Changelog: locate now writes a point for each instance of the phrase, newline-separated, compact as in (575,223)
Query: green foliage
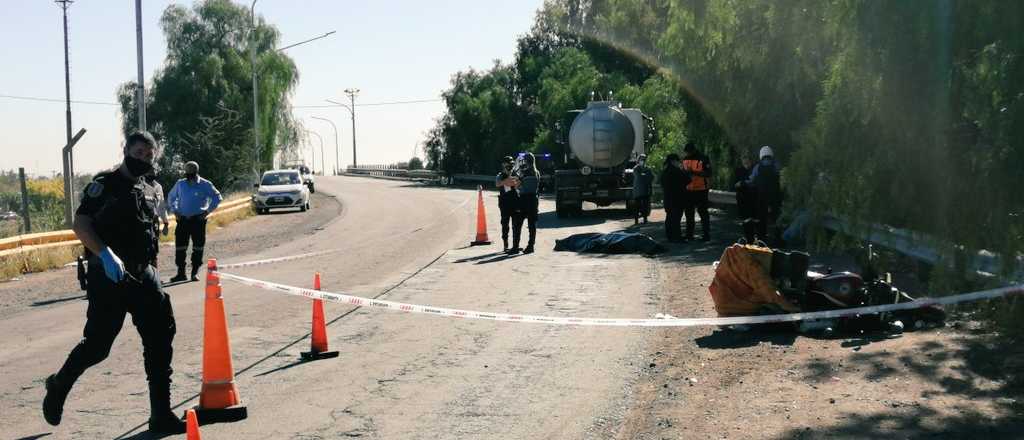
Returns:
(905,113)
(199,105)
(45,202)
(415,164)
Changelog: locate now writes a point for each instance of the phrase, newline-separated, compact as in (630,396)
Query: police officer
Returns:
(698,167)
(191,200)
(115,222)
(643,180)
(529,183)
(508,198)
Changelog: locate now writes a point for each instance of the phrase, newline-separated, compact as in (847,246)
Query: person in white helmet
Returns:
(764,179)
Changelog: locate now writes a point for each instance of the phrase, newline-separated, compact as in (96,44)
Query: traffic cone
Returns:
(192,426)
(218,399)
(318,343)
(481,219)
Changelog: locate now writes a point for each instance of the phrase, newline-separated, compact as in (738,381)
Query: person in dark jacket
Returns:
(643,178)
(673,187)
(529,183)
(764,179)
(508,198)
(116,222)
(697,166)
(745,196)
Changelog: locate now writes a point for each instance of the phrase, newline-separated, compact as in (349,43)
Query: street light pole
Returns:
(255,106)
(323,163)
(336,150)
(140,96)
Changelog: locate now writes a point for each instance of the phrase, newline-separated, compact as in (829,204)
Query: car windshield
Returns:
(280,179)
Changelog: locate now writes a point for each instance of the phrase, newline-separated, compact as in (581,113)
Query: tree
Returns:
(415,164)
(200,103)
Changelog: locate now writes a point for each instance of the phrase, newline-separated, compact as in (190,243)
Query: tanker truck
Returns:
(604,140)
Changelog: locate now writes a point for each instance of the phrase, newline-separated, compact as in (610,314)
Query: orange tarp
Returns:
(742,284)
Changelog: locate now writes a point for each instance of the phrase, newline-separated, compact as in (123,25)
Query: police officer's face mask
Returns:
(137,167)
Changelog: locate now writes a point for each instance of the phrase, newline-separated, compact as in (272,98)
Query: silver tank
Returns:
(601,136)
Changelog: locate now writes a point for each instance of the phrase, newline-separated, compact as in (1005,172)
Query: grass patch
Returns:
(233,216)
(37,260)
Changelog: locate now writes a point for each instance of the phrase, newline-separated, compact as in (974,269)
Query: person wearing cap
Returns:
(191,200)
(508,197)
(698,167)
(527,185)
(643,178)
(764,179)
(673,188)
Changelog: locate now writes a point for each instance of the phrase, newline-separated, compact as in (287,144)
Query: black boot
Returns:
(180,276)
(53,403)
(529,249)
(161,419)
(195,273)
(504,247)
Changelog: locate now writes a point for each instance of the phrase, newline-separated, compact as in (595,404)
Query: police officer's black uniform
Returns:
(508,204)
(123,212)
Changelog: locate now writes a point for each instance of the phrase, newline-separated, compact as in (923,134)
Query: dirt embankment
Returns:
(706,382)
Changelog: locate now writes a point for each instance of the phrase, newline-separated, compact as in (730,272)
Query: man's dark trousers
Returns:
(151,313)
(507,208)
(697,200)
(673,216)
(190,228)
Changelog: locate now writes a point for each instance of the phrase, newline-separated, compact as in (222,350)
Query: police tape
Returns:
(620,322)
(335,250)
(279,259)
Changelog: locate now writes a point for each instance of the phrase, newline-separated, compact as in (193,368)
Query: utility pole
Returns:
(24,200)
(255,106)
(352,97)
(140,97)
(66,155)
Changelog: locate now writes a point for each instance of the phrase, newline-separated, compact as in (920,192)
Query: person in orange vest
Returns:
(698,167)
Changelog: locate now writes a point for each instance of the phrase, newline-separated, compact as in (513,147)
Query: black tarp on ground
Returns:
(612,243)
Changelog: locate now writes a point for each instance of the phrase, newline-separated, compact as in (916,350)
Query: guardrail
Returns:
(66,237)
(913,244)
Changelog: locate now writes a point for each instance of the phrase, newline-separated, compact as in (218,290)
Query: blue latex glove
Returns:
(112,265)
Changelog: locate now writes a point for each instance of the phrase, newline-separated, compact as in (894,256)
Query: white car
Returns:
(280,189)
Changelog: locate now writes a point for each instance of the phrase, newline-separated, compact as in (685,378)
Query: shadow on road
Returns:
(58,300)
(479,257)
(34,437)
(729,339)
(498,258)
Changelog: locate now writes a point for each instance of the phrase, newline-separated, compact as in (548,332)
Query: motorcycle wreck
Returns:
(754,280)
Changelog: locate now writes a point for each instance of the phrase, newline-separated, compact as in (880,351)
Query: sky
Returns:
(391,51)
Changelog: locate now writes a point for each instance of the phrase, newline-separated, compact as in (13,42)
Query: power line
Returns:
(369,104)
(417,101)
(36,98)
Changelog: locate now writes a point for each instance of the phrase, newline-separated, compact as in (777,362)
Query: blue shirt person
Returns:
(191,197)
(191,200)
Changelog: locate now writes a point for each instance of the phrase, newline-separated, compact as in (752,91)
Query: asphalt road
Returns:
(398,375)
